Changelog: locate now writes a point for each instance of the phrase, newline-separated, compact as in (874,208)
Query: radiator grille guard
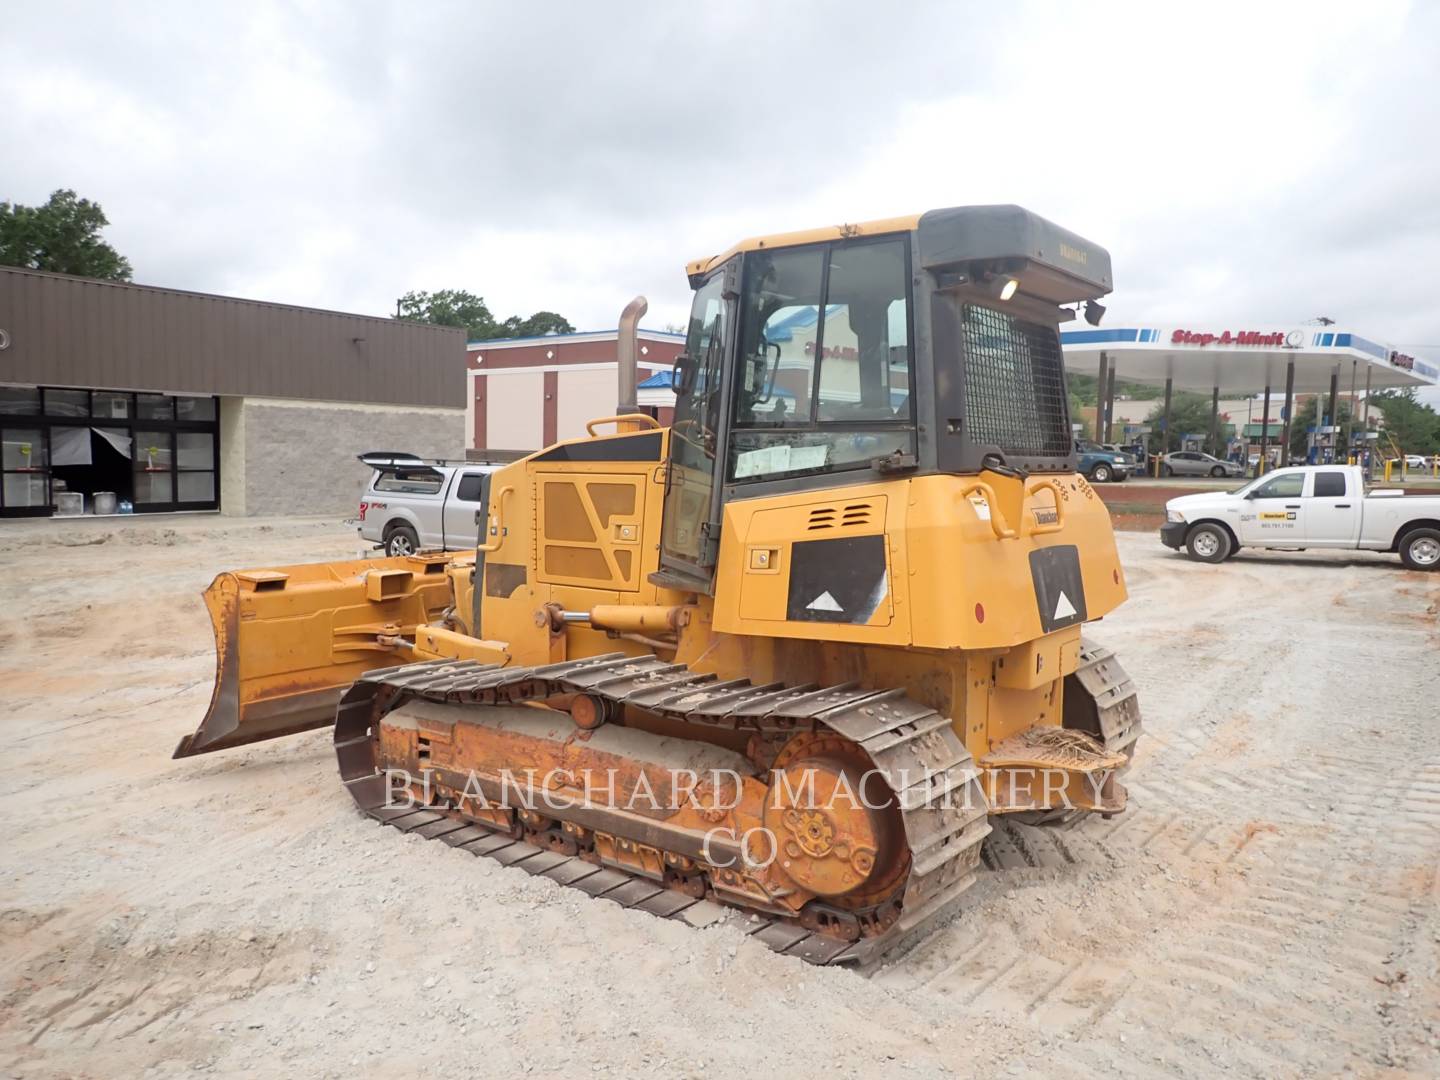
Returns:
(1014,385)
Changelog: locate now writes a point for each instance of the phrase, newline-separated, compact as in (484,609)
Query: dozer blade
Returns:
(290,640)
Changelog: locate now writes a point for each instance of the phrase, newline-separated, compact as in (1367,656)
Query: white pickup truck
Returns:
(1303,507)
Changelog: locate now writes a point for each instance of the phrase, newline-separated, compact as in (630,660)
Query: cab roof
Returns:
(700,267)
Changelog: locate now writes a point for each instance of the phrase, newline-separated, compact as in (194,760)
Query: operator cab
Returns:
(922,344)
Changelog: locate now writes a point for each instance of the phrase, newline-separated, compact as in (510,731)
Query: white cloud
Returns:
(1241,161)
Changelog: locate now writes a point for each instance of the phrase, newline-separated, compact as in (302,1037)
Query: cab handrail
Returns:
(998,525)
(495,522)
(626,418)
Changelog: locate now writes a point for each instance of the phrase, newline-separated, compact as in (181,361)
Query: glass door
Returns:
(26,471)
(695,434)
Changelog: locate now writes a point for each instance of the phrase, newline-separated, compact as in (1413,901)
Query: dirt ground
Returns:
(1266,907)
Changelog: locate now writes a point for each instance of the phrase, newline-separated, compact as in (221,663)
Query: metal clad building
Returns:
(176,400)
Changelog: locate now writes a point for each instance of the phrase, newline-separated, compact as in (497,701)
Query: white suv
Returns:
(411,504)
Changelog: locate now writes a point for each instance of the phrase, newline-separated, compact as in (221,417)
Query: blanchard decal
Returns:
(643,446)
(1059,586)
(837,581)
(502,579)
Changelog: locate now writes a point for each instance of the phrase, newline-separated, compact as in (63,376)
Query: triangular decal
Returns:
(825,602)
(1063,608)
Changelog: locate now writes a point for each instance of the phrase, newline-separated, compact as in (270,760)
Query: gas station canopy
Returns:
(1244,361)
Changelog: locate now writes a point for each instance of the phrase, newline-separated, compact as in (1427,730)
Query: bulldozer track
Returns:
(930,773)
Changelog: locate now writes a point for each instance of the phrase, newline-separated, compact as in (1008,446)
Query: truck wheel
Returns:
(1420,549)
(1209,543)
(1101,474)
(1217,471)
(402,540)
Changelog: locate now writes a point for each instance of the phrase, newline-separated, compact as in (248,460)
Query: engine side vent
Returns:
(840,517)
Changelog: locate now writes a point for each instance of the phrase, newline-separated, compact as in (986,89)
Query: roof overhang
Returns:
(1243,360)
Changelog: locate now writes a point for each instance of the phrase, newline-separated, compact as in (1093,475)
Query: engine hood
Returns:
(1206,500)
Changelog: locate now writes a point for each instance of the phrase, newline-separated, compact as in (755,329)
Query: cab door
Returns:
(1331,510)
(466,497)
(1274,512)
(690,532)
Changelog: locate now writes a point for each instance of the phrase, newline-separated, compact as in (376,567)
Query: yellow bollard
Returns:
(1388,466)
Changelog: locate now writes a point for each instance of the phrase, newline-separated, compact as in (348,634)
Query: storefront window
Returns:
(110,405)
(24,491)
(25,464)
(156,451)
(67,402)
(197,449)
(196,487)
(153,452)
(23,449)
(155,407)
(195,408)
(19,401)
(154,460)
(195,452)
(154,487)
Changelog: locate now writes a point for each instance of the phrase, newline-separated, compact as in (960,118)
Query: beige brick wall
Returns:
(298,457)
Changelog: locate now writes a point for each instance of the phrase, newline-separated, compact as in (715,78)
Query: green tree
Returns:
(1189,415)
(456,307)
(1415,427)
(1086,389)
(62,236)
(542,322)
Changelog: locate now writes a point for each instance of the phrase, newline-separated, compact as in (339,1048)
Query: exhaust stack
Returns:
(627,352)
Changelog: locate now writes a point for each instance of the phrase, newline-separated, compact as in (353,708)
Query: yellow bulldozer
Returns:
(786,656)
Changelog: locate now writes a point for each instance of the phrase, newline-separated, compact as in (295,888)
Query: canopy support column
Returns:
(1350,420)
(1100,396)
(1165,424)
(1110,404)
(1214,445)
(1289,408)
(1365,426)
(1264,461)
(1334,411)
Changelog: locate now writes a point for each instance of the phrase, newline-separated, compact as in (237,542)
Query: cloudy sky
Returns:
(1255,163)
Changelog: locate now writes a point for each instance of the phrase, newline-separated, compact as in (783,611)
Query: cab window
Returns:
(826,367)
(417,481)
(1329,484)
(470,485)
(1281,487)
